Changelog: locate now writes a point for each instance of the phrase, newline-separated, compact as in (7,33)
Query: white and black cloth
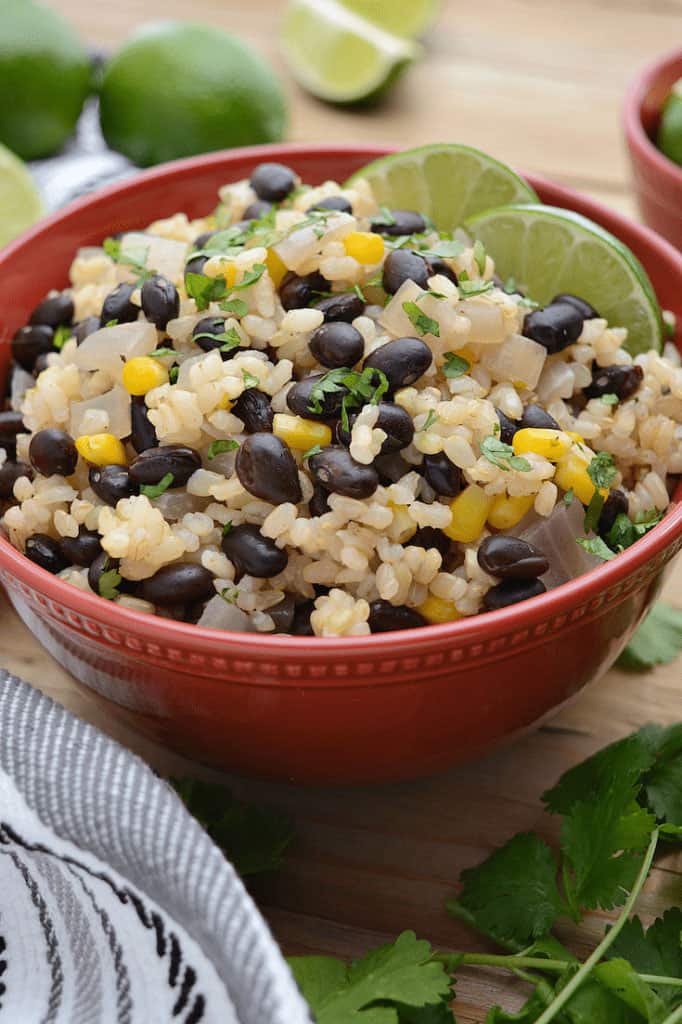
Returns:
(115,906)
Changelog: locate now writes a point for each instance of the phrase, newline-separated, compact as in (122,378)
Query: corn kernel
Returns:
(403,526)
(437,609)
(466,353)
(300,433)
(571,475)
(575,437)
(276,269)
(225,403)
(364,246)
(101,449)
(469,513)
(142,373)
(508,510)
(550,444)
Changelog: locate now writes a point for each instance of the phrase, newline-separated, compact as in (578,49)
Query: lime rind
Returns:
(407,18)
(447,181)
(20,202)
(548,250)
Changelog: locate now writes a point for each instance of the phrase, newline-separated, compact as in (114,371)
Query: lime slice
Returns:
(20,202)
(670,129)
(548,250)
(447,182)
(407,18)
(337,55)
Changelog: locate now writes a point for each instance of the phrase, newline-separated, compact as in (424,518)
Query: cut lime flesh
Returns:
(549,250)
(448,182)
(407,18)
(339,56)
(20,202)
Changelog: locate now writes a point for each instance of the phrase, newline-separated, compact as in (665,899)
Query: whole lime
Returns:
(44,78)
(670,129)
(177,88)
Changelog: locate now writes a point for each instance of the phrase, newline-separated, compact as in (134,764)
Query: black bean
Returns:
(385,617)
(53,452)
(402,361)
(201,240)
(511,558)
(256,210)
(252,554)
(213,326)
(11,424)
(622,381)
(339,203)
(143,433)
(555,327)
(55,311)
(30,342)
(282,613)
(272,182)
(429,537)
(45,552)
(255,411)
(83,549)
(405,222)
(301,621)
(396,423)
(296,292)
(391,468)
(300,402)
(337,344)
(319,503)
(111,483)
(195,265)
(338,472)
(341,306)
(84,328)
(118,306)
(151,465)
(586,311)
(160,301)
(535,417)
(439,266)
(511,592)
(404,265)
(442,475)
(507,427)
(9,474)
(268,470)
(615,505)
(178,583)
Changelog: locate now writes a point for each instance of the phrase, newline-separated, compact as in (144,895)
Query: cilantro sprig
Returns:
(156,490)
(423,323)
(502,455)
(109,582)
(136,263)
(658,641)
(361,388)
(218,447)
(455,366)
(61,336)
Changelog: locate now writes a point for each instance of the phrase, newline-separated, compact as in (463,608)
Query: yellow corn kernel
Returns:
(469,513)
(403,526)
(550,444)
(437,609)
(276,269)
(300,433)
(142,373)
(218,266)
(571,475)
(101,449)
(575,437)
(508,510)
(225,403)
(466,353)
(364,246)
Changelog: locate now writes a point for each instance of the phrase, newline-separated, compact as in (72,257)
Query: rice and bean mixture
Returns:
(309,414)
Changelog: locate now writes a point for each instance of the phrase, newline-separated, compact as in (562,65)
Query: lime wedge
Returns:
(20,202)
(407,18)
(548,250)
(337,55)
(446,181)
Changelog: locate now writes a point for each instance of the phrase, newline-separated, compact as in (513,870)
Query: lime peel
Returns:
(20,202)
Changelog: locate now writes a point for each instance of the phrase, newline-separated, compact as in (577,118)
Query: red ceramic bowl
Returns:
(658,181)
(322,710)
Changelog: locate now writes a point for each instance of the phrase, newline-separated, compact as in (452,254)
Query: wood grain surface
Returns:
(538,83)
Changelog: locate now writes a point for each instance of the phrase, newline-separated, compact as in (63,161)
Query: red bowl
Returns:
(365,709)
(658,181)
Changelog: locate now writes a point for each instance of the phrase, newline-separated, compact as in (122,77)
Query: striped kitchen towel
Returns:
(115,906)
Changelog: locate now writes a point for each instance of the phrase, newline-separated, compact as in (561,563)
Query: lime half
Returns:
(402,17)
(339,56)
(448,182)
(20,203)
(548,250)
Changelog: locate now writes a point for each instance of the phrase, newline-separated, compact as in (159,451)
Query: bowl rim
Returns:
(636,136)
(476,628)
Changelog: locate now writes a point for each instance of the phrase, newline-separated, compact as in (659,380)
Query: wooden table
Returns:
(539,84)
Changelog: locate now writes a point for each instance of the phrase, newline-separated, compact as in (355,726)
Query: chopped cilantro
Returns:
(596,546)
(359,292)
(108,582)
(480,256)
(218,447)
(159,353)
(229,594)
(502,455)
(204,290)
(368,386)
(431,418)
(445,249)
(251,277)
(455,366)
(658,640)
(227,527)
(230,339)
(602,470)
(568,497)
(112,247)
(249,380)
(625,531)
(610,399)
(61,336)
(111,323)
(154,490)
(315,450)
(173,374)
(384,216)
(423,323)
(471,288)
(510,286)
(235,306)
(593,513)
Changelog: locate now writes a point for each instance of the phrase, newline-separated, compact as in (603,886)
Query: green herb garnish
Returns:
(420,321)
(111,323)
(229,594)
(112,247)
(229,339)
(218,447)
(237,307)
(455,366)
(361,388)
(159,353)
(480,256)
(502,455)
(626,531)
(445,249)
(384,216)
(61,336)
(610,399)
(108,582)
(251,277)
(596,546)
(431,418)
(227,527)
(249,380)
(568,497)
(204,290)
(315,450)
(602,470)
(173,374)
(471,288)
(658,641)
(155,490)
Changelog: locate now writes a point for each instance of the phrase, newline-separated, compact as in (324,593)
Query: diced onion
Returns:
(219,614)
(115,405)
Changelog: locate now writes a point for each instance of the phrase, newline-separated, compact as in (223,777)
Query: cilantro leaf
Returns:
(480,256)
(250,381)
(619,978)
(513,895)
(173,374)
(471,288)
(159,353)
(445,249)
(420,321)
(108,582)
(360,388)
(510,286)
(624,762)
(204,290)
(654,951)
(658,640)
(568,497)
(217,447)
(663,782)
(502,455)
(596,546)
(593,513)
(370,991)
(235,306)
(610,399)
(155,490)
(625,532)
(227,527)
(602,470)
(230,339)
(61,336)
(254,838)
(455,366)
(315,450)
(250,277)
(429,421)
(328,384)
(137,263)
(384,216)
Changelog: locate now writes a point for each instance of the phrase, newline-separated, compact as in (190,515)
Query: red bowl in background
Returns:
(371,708)
(658,180)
